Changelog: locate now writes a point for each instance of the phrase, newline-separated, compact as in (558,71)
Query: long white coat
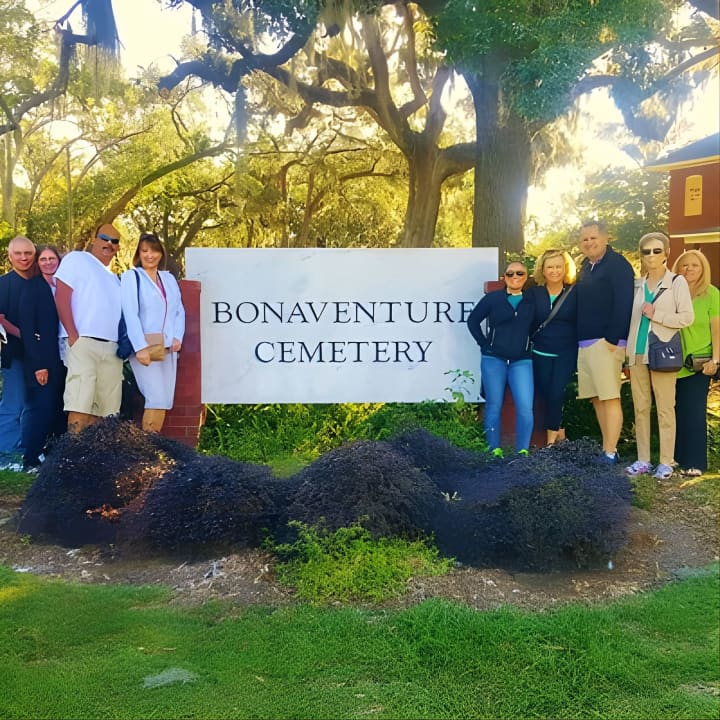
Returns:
(147,311)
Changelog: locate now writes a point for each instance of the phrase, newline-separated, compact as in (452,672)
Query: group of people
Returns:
(599,321)
(60,322)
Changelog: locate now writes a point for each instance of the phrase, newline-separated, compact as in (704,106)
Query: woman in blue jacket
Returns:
(154,314)
(554,338)
(506,358)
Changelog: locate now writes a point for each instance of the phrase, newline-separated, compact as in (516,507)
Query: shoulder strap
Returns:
(662,290)
(554,310)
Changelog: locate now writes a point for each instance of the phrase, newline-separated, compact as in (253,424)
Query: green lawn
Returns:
(71,651)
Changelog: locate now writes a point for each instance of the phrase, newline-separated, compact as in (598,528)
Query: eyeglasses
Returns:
(512,273)
(652,251)
(107,238)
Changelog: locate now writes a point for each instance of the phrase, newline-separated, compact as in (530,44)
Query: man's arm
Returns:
(622,282)
(63,302)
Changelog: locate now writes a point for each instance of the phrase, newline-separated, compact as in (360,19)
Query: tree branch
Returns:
(120,204)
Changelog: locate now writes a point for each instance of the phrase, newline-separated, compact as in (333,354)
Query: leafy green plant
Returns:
(259,433)
(348,564)
(644,491)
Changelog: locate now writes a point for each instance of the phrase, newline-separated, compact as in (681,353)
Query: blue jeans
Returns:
(518,374)
(12,408)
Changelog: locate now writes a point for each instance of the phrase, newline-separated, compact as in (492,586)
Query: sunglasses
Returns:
(107,238)
(652,251)
(512,273)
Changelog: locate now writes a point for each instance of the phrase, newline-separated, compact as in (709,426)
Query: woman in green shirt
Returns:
(701,339)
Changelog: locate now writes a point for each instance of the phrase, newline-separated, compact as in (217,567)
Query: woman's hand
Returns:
(648,310)
(143,356)
(41,376)
(176,345)
(710,367)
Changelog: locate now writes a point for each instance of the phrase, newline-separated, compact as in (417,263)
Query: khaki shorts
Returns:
(94,378)
(600,371)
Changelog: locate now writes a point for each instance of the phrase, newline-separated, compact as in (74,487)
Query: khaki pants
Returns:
(644,384)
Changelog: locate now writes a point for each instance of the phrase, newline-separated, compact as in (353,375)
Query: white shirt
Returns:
(95,300)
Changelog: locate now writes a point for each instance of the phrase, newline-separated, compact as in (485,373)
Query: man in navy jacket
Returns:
(13,418)
(605,286)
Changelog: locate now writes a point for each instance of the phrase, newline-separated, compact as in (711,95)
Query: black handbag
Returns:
(697,362)
(665,356)
(125,348)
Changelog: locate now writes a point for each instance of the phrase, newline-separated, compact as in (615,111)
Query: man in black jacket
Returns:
(21,253)
(605,286)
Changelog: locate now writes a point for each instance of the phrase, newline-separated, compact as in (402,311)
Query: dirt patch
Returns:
(672,541)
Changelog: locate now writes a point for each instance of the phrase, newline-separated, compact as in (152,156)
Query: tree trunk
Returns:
(10,147)
(423,203)
(502,171)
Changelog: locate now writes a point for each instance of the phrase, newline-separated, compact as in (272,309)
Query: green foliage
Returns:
(580,420)
(255,433)
(348,564)
(539,50)
(258,433)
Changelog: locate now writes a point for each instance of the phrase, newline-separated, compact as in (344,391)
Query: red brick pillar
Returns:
(184,421)
(507,415)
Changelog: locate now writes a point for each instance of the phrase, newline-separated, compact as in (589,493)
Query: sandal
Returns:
(691,472)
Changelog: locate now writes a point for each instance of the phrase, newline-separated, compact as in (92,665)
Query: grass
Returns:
(86,651)
(14,483)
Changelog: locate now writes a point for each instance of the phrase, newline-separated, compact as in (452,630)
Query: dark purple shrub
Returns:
(88,478)
(553,508)
(447,465)
(205,502)
(366,480)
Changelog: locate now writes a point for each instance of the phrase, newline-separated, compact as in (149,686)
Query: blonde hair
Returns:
(704,282)
(570,270)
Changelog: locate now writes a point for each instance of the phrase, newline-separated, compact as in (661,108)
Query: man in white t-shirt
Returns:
(88,303)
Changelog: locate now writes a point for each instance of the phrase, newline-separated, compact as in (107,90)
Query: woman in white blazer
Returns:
(152,306)
(662,304)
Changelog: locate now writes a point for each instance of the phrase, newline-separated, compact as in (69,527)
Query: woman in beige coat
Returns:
(662,304)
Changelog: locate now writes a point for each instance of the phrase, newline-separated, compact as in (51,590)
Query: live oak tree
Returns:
(528,61)
(376,65)
(525,62)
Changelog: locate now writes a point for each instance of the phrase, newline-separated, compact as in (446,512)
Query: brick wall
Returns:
(184,421)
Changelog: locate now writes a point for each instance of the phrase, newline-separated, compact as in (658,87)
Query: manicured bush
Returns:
(445,464)
(365,479)
(207,501)
(88,478)
(553,508)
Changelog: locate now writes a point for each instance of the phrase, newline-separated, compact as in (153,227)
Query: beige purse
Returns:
(156,346)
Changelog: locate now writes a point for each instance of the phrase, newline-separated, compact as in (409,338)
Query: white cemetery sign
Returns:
(332,326)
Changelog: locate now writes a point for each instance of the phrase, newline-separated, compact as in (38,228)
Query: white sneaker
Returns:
(639,467)
(663,472)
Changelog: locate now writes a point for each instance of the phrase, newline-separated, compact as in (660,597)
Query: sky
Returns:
(148,32)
